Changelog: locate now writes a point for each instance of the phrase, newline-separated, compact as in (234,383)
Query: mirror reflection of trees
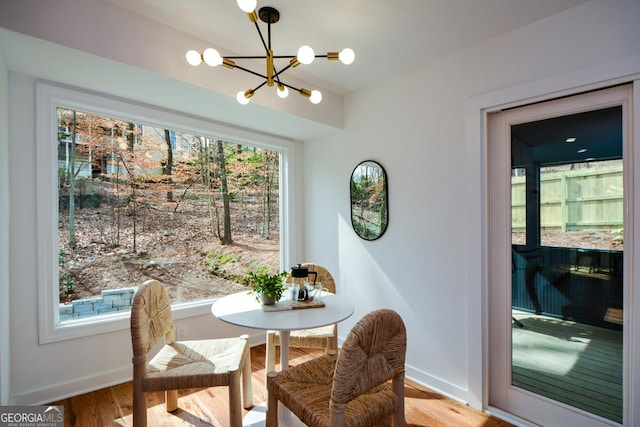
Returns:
(369,206)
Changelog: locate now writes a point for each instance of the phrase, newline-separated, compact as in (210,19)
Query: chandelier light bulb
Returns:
(315,97)
(247,6)
(306,55)
(347,56)
(242,98)
(194,58)
(212,57)
(282,91)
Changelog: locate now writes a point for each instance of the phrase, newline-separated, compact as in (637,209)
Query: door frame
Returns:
(502,394)
(477,107)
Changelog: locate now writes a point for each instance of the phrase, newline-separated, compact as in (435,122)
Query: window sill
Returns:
(72,329)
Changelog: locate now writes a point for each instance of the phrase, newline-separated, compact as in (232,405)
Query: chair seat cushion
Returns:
(194,364)
(306,390)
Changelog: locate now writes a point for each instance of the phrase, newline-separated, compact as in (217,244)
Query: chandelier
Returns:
(305,55)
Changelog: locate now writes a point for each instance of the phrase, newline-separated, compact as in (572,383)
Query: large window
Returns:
(138,197)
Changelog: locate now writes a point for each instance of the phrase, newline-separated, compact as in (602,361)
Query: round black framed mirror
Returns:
(369,200)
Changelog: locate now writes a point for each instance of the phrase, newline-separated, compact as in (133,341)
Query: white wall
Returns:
(428,264)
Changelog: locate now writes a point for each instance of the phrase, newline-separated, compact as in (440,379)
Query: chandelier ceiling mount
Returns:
(269,15)
(305,55)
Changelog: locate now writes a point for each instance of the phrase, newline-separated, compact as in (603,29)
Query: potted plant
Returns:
(266,286)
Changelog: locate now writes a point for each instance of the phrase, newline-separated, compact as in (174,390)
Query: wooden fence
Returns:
(583,199)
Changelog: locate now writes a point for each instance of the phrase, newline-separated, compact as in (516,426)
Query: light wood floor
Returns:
(208,407)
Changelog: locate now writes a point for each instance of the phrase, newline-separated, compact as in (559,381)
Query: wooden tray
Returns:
(291,305)
(307,304)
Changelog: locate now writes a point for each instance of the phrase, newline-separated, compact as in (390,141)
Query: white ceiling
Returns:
(386,35)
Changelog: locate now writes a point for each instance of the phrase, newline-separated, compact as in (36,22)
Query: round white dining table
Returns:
(242,309)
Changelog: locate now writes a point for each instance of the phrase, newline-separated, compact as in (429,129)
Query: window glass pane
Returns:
(567,281)
(581,205)
(139,202)
(518,206)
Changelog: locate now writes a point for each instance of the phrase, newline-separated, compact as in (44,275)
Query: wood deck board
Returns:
(573,363)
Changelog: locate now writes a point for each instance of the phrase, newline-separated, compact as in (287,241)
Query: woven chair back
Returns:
(373,353)
(151,318)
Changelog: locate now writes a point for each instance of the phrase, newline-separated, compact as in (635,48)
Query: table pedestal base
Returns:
(257,418)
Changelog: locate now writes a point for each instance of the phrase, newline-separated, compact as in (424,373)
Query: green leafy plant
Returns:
(216,263)
(65,277)
(266,283)
(67,280)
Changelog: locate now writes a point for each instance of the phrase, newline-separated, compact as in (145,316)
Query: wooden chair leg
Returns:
(270,359)
(171,398)
(247,388)
(397,384)
(235,406)
(139,407)
(272,403)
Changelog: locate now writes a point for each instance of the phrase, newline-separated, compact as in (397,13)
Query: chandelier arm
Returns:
(250,71)
(277,74)
(291,87)
(274,56)
(276,77)
(260,85)
(264,44)
(246,57)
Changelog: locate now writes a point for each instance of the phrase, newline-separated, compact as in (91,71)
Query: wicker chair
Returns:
(182,364)
(350,387)
(325,337)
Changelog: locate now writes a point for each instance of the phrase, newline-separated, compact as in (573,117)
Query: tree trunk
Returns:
(72,185)
(266,199)
(226,238)
(205,164)
(169,166)
(131,138)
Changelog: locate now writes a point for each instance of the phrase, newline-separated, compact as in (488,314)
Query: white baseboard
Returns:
(75,387)
(437,384)
(95,382)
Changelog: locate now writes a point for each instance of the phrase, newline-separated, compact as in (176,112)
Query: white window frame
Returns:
(48,99)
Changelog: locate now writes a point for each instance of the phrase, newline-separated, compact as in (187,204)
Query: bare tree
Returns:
(226,238)
(269,176)
(168,167)
(72,186)
(206,172)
